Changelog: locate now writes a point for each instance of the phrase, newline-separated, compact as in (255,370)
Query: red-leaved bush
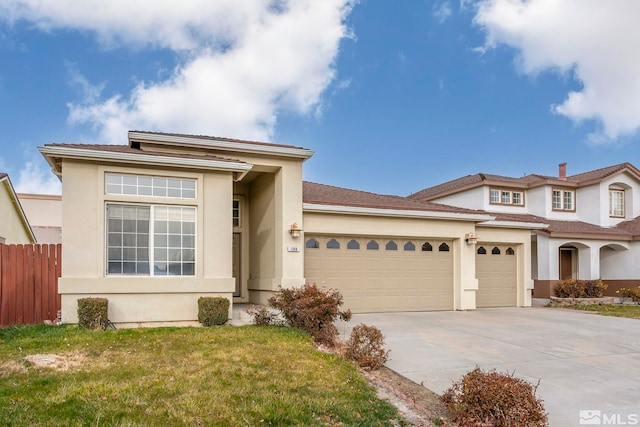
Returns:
(493,399)
(312,310)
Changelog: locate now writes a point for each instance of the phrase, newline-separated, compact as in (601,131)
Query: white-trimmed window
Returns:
(616,203)
(563,200)
(495,196)
(150,240)
(154,186)
(505,197)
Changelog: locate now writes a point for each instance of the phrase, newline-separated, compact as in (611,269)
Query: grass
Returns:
(616,310)
(225,376)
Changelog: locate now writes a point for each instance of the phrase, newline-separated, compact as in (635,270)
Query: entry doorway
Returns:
(568,263)
(236,263)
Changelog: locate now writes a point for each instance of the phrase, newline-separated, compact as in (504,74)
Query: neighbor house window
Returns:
(616,203)
(236,213)
(563,200)
(145,185)
(151,240)
(506,197)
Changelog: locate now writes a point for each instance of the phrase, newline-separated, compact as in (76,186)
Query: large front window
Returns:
(616,203)
(151,240)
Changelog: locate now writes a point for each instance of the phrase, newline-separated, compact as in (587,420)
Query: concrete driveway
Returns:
(583,361)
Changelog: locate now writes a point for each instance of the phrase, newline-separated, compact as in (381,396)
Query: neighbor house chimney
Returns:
(562,171)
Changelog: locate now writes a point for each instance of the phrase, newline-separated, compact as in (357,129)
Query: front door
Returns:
(567,265)
(236,263)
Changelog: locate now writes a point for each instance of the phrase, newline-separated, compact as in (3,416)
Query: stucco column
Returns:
(289,258)
(466,291)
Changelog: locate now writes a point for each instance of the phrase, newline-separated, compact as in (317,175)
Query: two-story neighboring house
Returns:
(592,218)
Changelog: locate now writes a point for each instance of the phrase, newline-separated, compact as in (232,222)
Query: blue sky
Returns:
(392,96)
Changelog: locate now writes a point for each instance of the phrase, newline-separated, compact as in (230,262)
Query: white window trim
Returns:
(612,212)
(152,187)
(563,206)
(151,241)
(500,192)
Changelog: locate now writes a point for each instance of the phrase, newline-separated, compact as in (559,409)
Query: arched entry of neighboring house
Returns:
(568,263)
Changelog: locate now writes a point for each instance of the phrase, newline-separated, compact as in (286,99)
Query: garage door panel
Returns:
(383,279)
(496,271)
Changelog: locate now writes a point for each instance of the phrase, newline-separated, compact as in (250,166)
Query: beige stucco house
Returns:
(157,223)
(44,212)
(14,226)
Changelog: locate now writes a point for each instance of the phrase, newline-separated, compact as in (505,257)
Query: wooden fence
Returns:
(29,283)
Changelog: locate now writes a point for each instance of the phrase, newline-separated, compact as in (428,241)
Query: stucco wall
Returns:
(12,227)
(142,298)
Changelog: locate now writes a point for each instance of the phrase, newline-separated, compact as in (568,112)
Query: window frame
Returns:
(134,183)
(612,212)
(151,246)
(497,197)
(560,205)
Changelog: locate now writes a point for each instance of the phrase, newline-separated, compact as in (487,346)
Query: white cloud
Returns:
(240,62)
(596,42)
(442,11)
(35,178)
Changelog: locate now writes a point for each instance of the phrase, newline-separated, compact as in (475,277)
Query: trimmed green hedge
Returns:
(93,313)
(213,310)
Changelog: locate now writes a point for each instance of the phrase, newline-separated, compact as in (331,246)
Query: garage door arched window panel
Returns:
(443,247)
(391,246)
(373,245)
(495,251)
(426,247)
(482,250)
(510,251)
(333,244)
(409,247)
(312,244)
(353,244)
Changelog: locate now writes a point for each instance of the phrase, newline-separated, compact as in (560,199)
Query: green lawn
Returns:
(617,310)
(227,376)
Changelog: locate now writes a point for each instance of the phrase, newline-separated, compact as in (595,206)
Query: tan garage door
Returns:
(383,274)
(496,269)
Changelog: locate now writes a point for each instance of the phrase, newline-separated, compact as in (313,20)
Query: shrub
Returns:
(93,313)
(632,293)
(262,316)
(594,288)
(312,310)
(491,398)
(569,289)
(366,347)
(213,310)
(580,289)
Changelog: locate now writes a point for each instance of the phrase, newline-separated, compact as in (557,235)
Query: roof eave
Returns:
(587,236)
(246,146)
(51,153)
(409,213)
(514,224)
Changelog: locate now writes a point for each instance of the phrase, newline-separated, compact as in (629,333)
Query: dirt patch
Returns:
(418,405)
(39,361)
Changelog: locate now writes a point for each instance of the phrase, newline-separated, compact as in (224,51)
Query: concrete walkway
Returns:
(583,361)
